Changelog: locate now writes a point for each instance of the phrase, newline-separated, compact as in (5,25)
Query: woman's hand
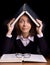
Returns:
(39,29)
(10,26)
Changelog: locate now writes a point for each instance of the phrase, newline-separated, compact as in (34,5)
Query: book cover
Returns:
(25,9)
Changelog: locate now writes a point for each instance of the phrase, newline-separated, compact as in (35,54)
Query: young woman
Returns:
(28,38)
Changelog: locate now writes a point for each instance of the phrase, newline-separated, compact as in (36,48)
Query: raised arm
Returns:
(8,42)
(41,39)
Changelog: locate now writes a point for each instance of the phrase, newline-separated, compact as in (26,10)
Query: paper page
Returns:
(10,58)
(22,57)
(35,58)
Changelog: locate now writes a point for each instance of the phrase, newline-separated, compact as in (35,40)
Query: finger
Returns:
(11,21)
(40,22)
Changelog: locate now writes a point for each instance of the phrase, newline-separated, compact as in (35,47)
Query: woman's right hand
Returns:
(10,26)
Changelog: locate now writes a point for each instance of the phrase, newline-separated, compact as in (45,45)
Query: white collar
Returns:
(31,38)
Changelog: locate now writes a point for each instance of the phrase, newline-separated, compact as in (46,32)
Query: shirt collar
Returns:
(31,38)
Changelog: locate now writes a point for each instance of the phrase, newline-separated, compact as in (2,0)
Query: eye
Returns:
(21,21)
(28,20)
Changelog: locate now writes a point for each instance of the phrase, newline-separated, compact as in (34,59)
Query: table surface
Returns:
(22,63)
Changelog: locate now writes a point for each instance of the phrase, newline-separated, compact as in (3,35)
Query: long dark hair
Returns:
(33,27)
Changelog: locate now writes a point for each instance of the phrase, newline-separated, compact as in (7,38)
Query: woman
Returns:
(29,37)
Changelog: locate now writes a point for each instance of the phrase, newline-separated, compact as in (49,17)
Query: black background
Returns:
(9,7)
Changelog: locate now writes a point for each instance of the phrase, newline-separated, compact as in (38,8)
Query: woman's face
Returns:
(24,24)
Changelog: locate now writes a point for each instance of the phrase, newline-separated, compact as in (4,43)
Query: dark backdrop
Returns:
(8,8)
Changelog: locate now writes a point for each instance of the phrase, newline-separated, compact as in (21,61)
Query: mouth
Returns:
(25,28)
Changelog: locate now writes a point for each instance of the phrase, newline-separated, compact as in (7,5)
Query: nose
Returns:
(25,23)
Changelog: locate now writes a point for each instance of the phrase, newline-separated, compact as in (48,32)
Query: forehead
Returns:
(24,17)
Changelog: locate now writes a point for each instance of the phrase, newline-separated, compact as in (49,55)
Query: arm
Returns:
(41,40)
(8,42)
(7,45)
(43,46)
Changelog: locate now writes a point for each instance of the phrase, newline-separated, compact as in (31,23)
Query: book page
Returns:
(18,57)
(10,58)
(35,58)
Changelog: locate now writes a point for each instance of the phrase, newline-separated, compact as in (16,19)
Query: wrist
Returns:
(40,32)
(9,33)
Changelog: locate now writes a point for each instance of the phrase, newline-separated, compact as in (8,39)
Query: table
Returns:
(47,63)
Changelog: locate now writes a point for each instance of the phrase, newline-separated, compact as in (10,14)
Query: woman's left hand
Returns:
(39,29)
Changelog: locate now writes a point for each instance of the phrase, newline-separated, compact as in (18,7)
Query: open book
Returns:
(26,12)
(18,57)
(25,9)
